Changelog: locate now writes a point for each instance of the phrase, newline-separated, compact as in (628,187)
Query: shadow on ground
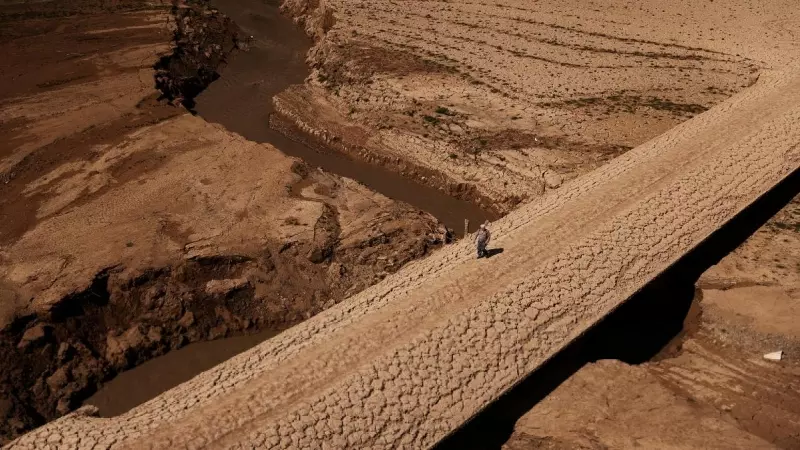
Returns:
(493,251)
(635,333)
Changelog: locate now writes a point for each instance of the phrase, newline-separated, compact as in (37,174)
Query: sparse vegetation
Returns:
(430,119)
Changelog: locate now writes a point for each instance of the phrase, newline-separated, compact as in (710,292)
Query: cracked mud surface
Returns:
(711,384)
(410,359)
(80,143)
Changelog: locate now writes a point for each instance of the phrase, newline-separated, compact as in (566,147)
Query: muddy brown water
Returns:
(241,101)
(145,382)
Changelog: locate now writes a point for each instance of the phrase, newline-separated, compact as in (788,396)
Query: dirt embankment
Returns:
(130,228)
(500,103)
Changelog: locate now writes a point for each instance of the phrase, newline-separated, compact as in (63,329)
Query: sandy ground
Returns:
(710,385)
(504,100)
(409,360)
(129,227)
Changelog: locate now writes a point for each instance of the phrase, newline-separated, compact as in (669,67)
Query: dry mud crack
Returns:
(409,360)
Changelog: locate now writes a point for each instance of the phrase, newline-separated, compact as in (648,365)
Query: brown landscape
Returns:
(156,191)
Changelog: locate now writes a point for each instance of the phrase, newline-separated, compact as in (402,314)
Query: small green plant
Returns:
(444,111)
(430,119)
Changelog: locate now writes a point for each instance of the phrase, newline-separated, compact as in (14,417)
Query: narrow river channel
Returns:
(241,101)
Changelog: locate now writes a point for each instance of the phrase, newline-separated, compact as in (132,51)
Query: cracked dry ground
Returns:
(710,386)
(407,361)
(129,228)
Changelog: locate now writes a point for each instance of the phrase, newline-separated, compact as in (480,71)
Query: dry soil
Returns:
(408,361)
(710,387)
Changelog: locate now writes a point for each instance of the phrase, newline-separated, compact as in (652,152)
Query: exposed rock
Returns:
(58,379)
(35,335)
(65,352)
(552,180)
(224,287)
(224,314)
(218,332)
(187,320)
(118,346)
(64,405)
(133,337)
(154,334)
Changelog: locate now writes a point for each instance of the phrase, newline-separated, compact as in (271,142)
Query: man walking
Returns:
(482,239)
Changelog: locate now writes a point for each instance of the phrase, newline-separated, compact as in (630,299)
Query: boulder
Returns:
(187,320)
(224,287)
(58,379)
(552,180)
(35,335)
(117,347)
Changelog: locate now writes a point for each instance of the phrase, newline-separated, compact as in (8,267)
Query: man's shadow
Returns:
(493,251)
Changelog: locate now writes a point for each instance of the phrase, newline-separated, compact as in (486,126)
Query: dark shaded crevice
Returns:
(636,332)
(77,305)
(203,41)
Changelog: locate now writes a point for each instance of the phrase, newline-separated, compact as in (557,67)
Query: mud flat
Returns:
(129,228)
(409,360)
(502,102)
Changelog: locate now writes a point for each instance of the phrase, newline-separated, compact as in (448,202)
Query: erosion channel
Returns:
(241,100)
